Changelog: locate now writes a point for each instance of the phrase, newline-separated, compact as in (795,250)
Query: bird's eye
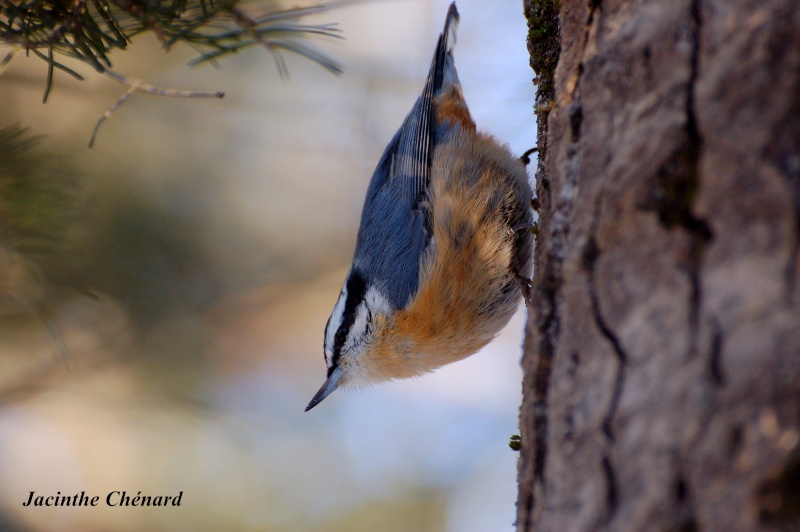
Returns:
(341,336)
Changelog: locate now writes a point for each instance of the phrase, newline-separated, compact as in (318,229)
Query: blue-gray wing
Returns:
(396,223)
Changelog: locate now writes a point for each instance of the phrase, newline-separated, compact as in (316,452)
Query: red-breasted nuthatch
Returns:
(439,253)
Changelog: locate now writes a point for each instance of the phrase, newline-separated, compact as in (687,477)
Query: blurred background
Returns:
(163,295)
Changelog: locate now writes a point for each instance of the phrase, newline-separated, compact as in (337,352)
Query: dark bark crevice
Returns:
(778,495)
(549,329)
(716,374)
(545,47)
(683,518)
(612,489)
(594,7)
(590,256)
(677,183)
(698,229)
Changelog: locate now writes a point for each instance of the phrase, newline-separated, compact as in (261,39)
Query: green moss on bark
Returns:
(543,43)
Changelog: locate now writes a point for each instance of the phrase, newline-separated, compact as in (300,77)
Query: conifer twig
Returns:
(137,85)
(9,56)
(89,30)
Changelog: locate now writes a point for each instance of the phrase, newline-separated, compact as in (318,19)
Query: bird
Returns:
(444,252)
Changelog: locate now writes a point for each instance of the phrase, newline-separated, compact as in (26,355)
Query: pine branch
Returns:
(89,30)
(137,85)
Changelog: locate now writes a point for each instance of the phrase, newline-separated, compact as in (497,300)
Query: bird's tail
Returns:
(415,137)
(443,68)
(450,28)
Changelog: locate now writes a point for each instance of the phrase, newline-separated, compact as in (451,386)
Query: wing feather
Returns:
(395,223)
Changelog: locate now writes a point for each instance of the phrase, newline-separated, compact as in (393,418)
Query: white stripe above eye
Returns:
(333,325)
(358,336)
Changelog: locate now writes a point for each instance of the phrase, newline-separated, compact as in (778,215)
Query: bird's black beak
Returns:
(330,385)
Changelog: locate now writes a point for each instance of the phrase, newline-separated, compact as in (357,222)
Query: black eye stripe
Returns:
(356,289)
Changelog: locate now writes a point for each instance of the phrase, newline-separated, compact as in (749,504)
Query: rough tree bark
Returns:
(662,359)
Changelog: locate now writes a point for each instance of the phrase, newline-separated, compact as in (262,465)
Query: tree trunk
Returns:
(662,357)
